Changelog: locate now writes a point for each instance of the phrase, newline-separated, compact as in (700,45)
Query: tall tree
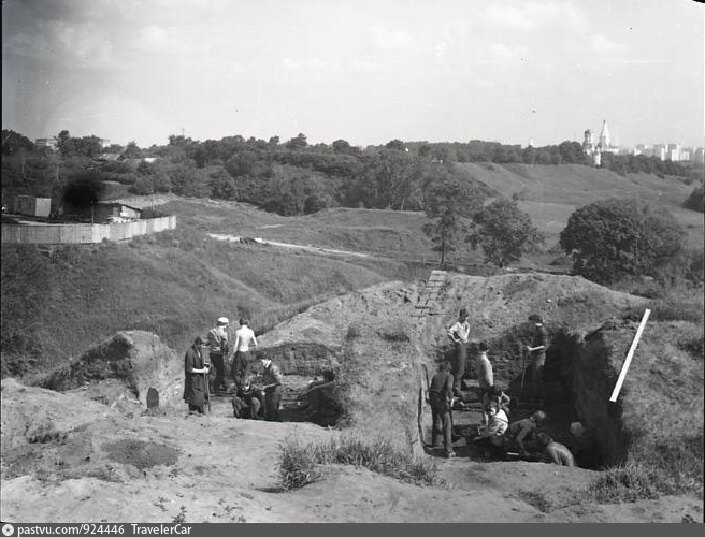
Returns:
(504,232)
(299,142)
(132,150)
(449,203)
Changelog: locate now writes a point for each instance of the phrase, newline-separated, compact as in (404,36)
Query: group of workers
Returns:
(496,434)
(254,395)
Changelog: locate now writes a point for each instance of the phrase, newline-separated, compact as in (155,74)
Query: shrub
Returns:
(696,200)
(297,465)
(611,239)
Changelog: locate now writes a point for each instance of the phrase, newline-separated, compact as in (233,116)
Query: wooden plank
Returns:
(625,365)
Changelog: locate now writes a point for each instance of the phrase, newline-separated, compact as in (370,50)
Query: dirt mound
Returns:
(134,360)
(661,401)
(369,338)
(39,416)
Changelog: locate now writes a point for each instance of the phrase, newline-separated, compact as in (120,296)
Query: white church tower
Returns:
(604,136)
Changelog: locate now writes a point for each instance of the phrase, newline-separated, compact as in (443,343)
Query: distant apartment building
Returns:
(659,151)
(46,142)
(699,154)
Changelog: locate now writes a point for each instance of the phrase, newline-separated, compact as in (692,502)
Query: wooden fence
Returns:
(84,233)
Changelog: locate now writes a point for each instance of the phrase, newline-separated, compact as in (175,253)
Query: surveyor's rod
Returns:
(625,365)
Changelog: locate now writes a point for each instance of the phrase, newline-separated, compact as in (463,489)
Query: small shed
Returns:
(104,209)
(31,206)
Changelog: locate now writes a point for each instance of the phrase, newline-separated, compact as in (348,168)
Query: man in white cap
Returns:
(218,342)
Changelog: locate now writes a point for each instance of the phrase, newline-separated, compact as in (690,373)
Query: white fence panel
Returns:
(84,233)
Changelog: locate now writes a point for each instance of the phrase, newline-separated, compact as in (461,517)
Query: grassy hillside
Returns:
(550,194)
(174,283)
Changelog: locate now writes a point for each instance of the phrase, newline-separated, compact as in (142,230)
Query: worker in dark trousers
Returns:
(195,370)
(538,354)
(218,343)
(272,388)
(459,333)
(440,395)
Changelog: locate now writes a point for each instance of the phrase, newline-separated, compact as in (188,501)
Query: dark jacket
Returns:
(271,375)
(195,384)
(440,391)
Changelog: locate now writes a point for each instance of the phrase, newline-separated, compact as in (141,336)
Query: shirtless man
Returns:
(555,452)
(240,359)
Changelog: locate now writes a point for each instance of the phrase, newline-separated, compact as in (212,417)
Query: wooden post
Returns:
(625,365)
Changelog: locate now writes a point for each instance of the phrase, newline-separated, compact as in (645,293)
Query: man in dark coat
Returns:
(440,394)
(538,353)
(195,370)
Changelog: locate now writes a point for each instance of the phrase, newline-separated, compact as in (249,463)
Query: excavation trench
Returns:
(579,376)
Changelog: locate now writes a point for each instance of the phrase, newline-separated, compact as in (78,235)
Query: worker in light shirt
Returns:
(459,333)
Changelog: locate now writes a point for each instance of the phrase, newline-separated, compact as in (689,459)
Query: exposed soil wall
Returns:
(594,372)
(304,359)
(138,359)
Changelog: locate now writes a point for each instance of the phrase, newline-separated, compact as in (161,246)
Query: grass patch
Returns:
(298,463)
(671,309)
(628,483)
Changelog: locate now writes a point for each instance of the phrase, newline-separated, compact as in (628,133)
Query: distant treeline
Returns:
(287,178)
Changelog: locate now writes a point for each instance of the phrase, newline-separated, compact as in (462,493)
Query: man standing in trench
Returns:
(459,333)
(538,352)
(440,395)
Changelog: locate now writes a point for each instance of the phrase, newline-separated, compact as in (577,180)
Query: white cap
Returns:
(223,320)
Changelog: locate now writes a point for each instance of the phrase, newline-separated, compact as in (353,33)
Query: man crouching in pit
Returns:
(247,401)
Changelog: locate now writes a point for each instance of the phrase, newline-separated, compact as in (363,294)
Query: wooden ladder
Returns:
(428,296)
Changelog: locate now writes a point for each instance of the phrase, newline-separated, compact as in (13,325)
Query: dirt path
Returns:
(308,247)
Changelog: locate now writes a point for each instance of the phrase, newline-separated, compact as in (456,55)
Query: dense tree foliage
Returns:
(615,238)
(86,146)
(504,232)
(14,143)
(288,178)
(696,201)
(623,164)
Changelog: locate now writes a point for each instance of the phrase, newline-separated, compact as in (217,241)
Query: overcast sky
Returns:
(366,71)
